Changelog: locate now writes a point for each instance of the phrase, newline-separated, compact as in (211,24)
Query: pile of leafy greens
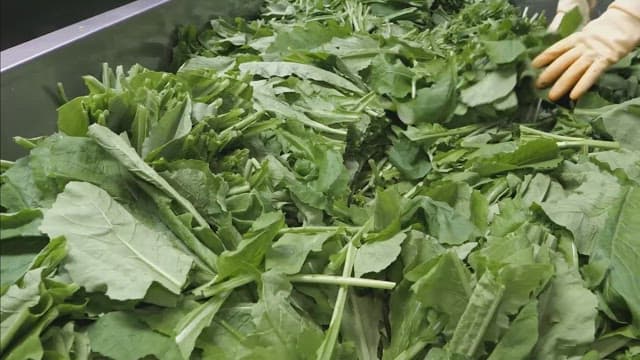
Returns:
(334,180)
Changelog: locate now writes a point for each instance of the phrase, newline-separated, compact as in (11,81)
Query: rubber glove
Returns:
(564,6)
(578,60)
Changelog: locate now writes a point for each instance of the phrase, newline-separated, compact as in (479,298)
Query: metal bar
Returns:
(30,50)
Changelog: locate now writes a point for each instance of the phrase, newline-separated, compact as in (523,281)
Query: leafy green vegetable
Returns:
(121,336)
(493,86)
(107,239)
(504,51)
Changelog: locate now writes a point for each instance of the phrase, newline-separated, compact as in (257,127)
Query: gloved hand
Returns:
(564,6)
(578,60)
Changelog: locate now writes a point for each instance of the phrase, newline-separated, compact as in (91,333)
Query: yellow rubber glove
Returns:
(564,6)
(578,60)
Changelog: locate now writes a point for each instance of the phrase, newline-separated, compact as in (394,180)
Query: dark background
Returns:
(549,7)
(23,20)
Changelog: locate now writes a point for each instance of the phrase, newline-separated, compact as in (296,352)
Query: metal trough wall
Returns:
(139,32)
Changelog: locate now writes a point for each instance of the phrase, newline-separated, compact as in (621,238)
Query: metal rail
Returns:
(138,32)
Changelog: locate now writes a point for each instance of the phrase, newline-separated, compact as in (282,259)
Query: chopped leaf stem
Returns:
(208,290)
(239,190)
(565,142)
(325,351)
(342,281)
(610,145)
(317,229)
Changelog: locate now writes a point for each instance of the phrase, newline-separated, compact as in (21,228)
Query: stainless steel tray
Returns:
(139,32)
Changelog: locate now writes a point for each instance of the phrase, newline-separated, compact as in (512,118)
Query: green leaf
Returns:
(619,121)
(20,254)
(355,51)
(386,213)
(253,247)
(521,336)
(66,158)
(491,87)
(479,312)
(570,23)
(267,69)
(22,223)
(33,303)
(410,160)
(444,223)
(626,162)
(617,245)
(362,325)
(66,342)
(288,254)
(16,306)
(390,79)
(504,51)
(539,154)
(174,124)
(190,327)
(227,337)
(124,153)
(195,181)
(583,210)
(409,322)
(106,244)
(24,188)
(378,255)
(73,118)
(284,333)
(443,284)
(433,104)
(567,312)
(119,335)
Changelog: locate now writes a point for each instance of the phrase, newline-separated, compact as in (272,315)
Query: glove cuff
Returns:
(631,7)
(616,32)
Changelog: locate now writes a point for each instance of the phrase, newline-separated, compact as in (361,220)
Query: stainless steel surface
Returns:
(139,32)
(30,50)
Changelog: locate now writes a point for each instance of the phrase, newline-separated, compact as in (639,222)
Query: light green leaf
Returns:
(617,245)
(627,162)
(275,319)
(269,69)
(392,79)
(583,210)
(362,324)
(22,223)
(253,248)
(190,327)
(174,124)
(491,87)
(521,336)
(443,284)
(127,155)
(444,223)
(618,120)
(567,312)
(539,154)
(288,254)
(504,51)
(432,104)
(378,255)
(16,306)
(107,244)
(479,312)
(119,335)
